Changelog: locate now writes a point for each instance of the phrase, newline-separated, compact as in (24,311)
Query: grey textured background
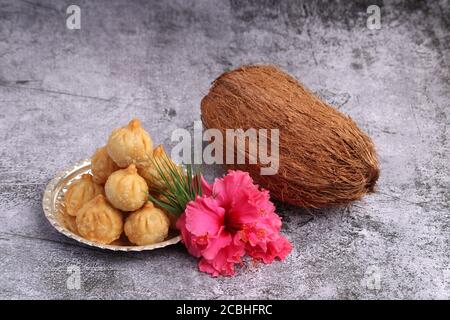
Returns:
(62,91)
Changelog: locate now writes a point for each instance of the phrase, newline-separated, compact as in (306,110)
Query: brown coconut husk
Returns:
(325,159)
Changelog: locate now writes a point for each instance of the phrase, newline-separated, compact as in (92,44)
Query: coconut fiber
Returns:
(325,160)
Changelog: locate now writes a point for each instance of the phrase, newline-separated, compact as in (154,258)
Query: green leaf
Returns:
(179,187)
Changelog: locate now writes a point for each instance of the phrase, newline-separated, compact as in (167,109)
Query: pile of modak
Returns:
(114,200)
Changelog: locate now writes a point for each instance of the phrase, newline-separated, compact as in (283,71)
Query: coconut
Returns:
(325,159)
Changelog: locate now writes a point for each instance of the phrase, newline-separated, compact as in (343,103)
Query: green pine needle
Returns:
(180,187)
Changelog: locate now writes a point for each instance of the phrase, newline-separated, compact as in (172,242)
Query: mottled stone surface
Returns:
(62,91)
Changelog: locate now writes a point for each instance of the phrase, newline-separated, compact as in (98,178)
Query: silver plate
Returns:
(54,211)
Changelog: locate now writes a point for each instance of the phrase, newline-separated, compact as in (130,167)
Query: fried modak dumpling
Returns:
(98,221)
(126,190)
(147,226)
(81,192)
(130,144)
(102,165)
(69,221)
(150,172)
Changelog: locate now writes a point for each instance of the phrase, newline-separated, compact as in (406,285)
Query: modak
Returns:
(81,192)
(126,190)
(98,221)
(130,144)
(147,226)
(150,172)
(102,165)
(69,221)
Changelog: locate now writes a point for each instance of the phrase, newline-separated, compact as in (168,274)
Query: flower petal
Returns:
(226,188)
(186,237)
(215,244)
(277,248)
(204,217)
(206,188)
(225,260)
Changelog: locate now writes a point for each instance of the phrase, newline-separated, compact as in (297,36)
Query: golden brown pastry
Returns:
(98,221)
(102,166)
(69,221)
(81,192)
(149,170)
(130,144)
(147,226)
(126,190)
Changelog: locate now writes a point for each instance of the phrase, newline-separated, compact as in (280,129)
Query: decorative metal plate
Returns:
(54,210)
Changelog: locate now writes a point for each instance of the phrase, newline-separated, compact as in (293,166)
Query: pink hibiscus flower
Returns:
(232,218)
